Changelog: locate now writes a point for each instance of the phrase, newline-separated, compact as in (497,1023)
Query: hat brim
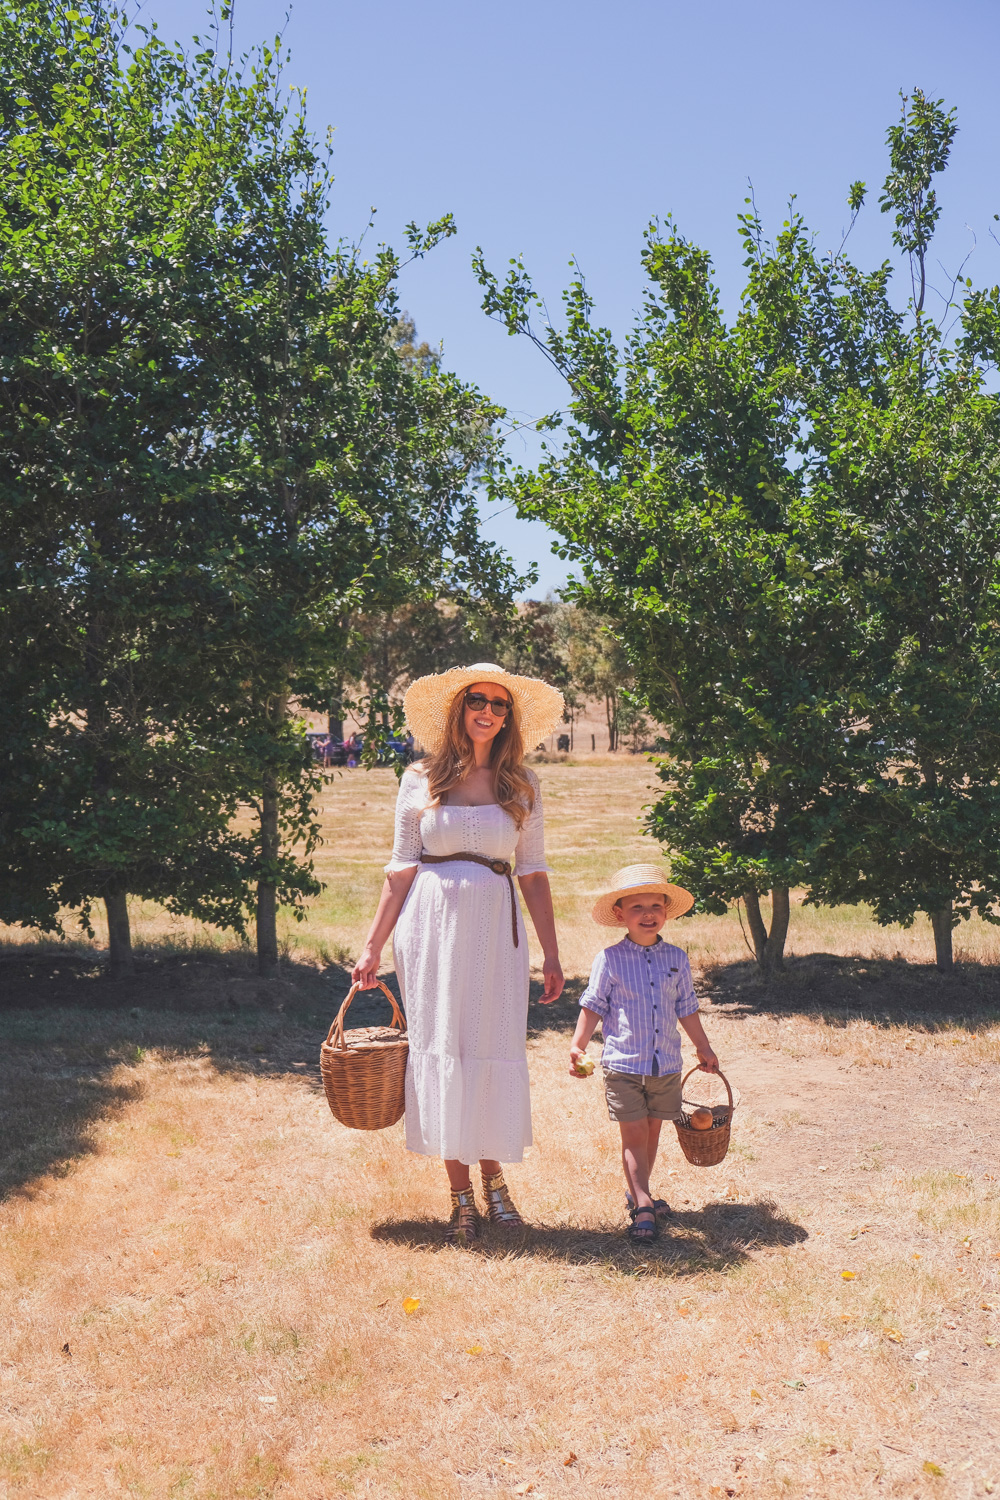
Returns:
(538,706)
(678,901)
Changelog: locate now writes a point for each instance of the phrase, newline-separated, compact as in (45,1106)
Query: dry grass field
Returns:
(205,1279)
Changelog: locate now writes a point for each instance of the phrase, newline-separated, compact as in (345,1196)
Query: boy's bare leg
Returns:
(653,1142)
(635,1159)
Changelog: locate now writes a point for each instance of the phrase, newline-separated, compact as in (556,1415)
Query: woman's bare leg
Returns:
(458,1175)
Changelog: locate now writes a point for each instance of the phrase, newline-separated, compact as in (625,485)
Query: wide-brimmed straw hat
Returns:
(640,880)
(537,705)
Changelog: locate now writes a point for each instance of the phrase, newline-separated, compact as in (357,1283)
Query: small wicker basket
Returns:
(706,1148)
(364,1069)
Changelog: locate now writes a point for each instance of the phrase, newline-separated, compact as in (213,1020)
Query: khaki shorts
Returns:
(631,1097)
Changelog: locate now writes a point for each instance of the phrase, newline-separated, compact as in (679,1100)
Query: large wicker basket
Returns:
(364,1069)
(706,1148)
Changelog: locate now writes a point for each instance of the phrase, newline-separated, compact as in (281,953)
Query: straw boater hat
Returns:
(538,707)
(640,880)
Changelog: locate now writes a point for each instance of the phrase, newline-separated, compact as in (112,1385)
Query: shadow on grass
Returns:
(717,1237)
(886,992)
(66,1028)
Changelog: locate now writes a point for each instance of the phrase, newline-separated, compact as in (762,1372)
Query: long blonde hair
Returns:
(455,757)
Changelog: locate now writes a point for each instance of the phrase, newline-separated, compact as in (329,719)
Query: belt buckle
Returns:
(498,867)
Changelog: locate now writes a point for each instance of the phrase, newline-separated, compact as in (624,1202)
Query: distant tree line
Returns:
(570,646)
(792,522)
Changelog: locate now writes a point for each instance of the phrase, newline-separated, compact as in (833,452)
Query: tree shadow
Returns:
(837,990)
(69,1037)
(718,1237)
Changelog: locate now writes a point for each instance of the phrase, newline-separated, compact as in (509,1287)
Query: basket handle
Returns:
(336,1032)
(719,1074)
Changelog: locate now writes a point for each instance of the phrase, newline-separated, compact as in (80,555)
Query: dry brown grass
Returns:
(203,1274)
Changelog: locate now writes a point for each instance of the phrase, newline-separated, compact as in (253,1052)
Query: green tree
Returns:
(680,490)
(347,471)
(917,455)
(113,169)
(791,522)
(219,445)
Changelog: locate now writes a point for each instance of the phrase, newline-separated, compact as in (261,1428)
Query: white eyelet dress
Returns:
(464,984)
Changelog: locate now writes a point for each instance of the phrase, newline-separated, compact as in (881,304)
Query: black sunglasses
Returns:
(478,701)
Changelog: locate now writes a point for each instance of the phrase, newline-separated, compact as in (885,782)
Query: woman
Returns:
(460,945)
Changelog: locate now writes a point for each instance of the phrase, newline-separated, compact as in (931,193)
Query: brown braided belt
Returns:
(498,866)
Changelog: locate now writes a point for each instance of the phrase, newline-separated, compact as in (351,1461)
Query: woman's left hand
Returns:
(553,975)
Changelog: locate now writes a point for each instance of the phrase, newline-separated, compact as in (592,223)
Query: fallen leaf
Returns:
(685,1312)
(268,1400)
(991,1343)
(569,1459)
(823,1345)
(383,1304)
(729,1421)
(916,1255)
(410,1305)
(846,1317)
(474,1349)
(756,1396)
(893,1334)
(65,1350)
(987,1307)
(848,1275)
(922,1354)
(450,1396)
(796,1384)
(930,1468)
(524,1489)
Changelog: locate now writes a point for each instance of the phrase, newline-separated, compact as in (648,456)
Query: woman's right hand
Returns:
(365,971)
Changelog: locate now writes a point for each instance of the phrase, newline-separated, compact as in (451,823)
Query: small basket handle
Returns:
(719,1074)
(336,1032)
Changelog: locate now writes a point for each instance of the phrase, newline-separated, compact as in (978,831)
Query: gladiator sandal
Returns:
(463,1226)
(499,1204)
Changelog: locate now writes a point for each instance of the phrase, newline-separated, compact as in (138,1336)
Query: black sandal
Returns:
(660,1205)
(463,1226)
(637,1232)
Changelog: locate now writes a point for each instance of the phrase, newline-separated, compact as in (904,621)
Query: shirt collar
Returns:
(645,946)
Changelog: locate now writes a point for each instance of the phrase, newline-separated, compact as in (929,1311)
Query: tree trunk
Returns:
(611,714)
(267,894)
(769,947)
(941,923)
(334,720)
(122,963)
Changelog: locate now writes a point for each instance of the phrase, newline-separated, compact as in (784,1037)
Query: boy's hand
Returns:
(576,1056)
(707,1060)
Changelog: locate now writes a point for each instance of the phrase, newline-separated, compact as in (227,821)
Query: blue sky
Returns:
(555,129)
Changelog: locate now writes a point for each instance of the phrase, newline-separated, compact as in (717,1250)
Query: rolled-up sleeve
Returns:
(687,1001)
(410,803)
(529,856)
(597,995)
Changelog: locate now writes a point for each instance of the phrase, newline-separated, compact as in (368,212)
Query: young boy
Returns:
(639,990)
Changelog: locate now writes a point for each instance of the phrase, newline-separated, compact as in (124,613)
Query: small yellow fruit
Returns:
(702,1119)
(585,1065)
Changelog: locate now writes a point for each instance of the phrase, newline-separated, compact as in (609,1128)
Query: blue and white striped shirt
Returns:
(638,993)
